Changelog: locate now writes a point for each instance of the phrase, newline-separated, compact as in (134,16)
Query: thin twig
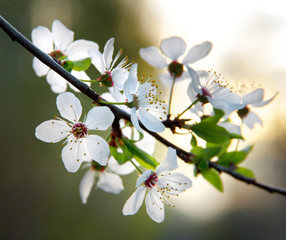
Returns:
(15,35)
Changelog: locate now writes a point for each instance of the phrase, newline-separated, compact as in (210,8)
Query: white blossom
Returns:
(142,100)
(112,76)
(158,185)
(80,145)
(172,49)
(104,177)
(59,44)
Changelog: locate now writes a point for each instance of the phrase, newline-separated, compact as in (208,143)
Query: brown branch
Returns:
(15,35)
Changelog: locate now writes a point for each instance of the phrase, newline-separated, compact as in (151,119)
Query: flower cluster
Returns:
(124,145)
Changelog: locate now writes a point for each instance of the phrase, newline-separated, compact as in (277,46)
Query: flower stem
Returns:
(171,94)
(91,81)
(188,108)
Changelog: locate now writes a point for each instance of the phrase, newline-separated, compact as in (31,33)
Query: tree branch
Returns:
(15,35)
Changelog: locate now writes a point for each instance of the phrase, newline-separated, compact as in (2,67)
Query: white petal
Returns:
(175,183)
(143,177)
(42,38)
(74,153)
(132,78)
(97,59)
(78,49)
(134,120)
(230,127)
(153,56)
(155,206)
(170,163)
(135,201)
(86,184)
(166,79)
(40,68)
(255,96)
(263,103)
(119,76)
(52,131)
(198,52)
(110,182)
(123,169)
(147,143)
(99,118)
(62,35)
(81,75)
(58,84)
(250,119)
(116,95)
(150,122)
(195,80)
(98,149)
(69,106)
(108,52)
(173,47)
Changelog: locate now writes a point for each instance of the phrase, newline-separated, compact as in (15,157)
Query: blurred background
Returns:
(39,198)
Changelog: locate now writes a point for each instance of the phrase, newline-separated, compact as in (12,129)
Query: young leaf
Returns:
(120,157)
(245,172)
(194,142)
(213,177)
(143,158)
(68,65)
(81,65)
(210,132)
(214,119)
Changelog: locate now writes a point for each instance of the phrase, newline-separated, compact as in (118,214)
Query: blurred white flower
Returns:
(173,48)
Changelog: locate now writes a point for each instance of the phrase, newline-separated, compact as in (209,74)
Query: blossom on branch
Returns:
(158,185)
(80,145)
(142,100)
(59,44)
(104,177)
(173,48)
(112,76)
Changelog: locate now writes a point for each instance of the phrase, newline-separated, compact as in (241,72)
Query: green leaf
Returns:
(68,65)
(120,157)
(233,158)
(143,158)
(245,172)
(194,142)
(210,132)
(222,146)
(81,65)
(214,119)
(203,165)
(213,177)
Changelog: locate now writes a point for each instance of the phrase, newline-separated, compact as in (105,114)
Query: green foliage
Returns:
(213,177)
(233,158)
(245,172)
(143,158)
(120,157)
(81,65)
(68,65)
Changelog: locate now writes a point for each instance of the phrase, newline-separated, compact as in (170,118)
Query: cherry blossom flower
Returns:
(104,177)
(158,185)
(141,98)
(112,76)
(212,89)
(249,101)
(59,44)
(173,48)
(80,145)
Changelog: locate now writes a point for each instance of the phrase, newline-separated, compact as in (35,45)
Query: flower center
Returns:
(79,130)
(57,54)
(152,180)
(203,97)
(242,113)
(176,69)
(106,80)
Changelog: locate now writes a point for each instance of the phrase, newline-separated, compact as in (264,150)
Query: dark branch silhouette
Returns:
(187,157)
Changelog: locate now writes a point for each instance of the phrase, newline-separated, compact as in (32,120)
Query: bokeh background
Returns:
(39,199)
